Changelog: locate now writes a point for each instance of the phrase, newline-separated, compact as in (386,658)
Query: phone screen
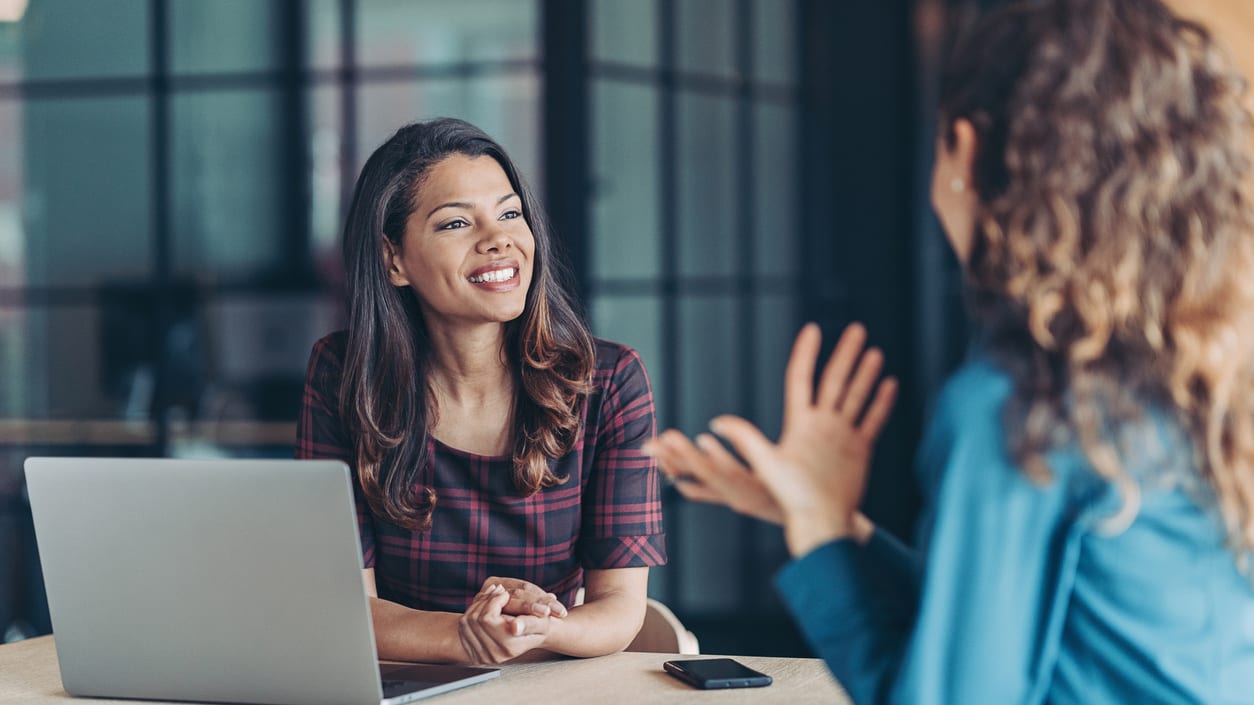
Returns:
(716,673)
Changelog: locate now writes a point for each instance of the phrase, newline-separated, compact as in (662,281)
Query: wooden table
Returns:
(29,674)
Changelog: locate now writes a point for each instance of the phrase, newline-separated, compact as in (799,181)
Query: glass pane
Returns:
(776,230)
(708,537)
(69,39)
(12,231)
(260,346)
(87,190)
(324,42)
(19,380)
(709,360)
(506,107)
(707,186)
(624,32)
(227,182)
(55,366)
(326,181)
(775,45)
(706,36)
(635,321)
(10,52)
(624,240)
(409,32)
(777,322)
(226,35)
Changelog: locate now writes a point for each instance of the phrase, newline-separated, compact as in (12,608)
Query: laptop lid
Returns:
(212,580)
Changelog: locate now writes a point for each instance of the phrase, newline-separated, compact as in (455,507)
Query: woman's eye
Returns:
(510,215)
(453,225)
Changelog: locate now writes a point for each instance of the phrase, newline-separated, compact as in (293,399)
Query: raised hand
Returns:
(817,471)
(706,472)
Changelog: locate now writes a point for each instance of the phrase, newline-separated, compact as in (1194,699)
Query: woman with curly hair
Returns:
(495,444)
(1089,471)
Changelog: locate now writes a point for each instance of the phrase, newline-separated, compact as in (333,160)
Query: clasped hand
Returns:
(507,618)
(812,480)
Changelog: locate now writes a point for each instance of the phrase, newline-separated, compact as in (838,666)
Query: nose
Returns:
(495,239)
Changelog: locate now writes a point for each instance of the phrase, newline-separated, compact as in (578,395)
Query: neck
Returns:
(469,365)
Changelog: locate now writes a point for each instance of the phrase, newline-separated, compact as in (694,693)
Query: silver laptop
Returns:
(213,580)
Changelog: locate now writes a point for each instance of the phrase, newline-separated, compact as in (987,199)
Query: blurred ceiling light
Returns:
(12,10)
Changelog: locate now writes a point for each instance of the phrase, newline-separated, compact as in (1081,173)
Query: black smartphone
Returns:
(711,673)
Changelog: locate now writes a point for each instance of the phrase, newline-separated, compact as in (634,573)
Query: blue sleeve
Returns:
(1000,557)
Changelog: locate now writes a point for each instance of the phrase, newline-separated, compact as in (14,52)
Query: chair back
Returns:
(662,632)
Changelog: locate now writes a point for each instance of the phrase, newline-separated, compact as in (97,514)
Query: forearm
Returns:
(599,627)
(405,634)
(838,596)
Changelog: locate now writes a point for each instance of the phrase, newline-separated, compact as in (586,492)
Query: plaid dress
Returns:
(608,514)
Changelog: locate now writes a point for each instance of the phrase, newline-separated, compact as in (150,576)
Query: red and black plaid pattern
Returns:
(607,515)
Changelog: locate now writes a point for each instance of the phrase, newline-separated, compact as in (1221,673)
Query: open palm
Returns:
(817,471)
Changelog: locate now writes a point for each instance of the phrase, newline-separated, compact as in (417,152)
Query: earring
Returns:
(957,185)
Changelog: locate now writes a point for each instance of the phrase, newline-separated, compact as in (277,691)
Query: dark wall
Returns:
(859,129)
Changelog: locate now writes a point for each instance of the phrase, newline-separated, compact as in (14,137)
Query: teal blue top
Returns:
(1032,593)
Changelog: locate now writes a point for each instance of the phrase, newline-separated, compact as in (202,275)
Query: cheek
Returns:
(936,195)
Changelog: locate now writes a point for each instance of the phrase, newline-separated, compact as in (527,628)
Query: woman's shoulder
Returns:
(332,345)
(326,360)
(613,359)
(976,391)
(618,370)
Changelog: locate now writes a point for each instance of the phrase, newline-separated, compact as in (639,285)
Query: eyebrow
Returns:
(464,204)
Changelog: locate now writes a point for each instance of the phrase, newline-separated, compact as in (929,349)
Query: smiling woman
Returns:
(494,443)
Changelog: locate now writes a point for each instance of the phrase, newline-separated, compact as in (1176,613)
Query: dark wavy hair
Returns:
(385,399)
(1113,264)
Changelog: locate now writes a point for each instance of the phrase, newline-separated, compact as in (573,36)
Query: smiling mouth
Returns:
(496,275)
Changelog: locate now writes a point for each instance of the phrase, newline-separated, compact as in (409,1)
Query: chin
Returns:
(507,315)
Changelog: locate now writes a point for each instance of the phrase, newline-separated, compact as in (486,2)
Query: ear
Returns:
(962,151)
(393,265)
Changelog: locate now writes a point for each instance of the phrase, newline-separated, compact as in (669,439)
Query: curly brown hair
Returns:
(1113,264)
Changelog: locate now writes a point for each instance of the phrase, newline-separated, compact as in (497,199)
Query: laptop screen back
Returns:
(228,581)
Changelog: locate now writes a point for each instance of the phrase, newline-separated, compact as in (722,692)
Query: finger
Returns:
(853,402)
(722,460)
(695,463)
(556,608)
(698,492)
(486,625)
(881,407)
(668,463)
(836,373)
(531,601)
(799,375)
(752,445)
(681,457)
(520,603)
(529,626)
(488,604)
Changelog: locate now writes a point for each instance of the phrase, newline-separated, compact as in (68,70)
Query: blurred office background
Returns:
(173,175)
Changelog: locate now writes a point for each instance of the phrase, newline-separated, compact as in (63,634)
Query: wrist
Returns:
(454,647)
(564,638)
(804,534)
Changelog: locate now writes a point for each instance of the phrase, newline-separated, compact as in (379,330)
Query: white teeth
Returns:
(496,275)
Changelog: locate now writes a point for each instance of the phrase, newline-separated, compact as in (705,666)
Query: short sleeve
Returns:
(622,506)
(321,435)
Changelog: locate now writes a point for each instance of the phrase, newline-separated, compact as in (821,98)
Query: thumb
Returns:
(746,439)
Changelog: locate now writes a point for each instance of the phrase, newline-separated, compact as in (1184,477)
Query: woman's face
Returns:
(953,194)
(467,250)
